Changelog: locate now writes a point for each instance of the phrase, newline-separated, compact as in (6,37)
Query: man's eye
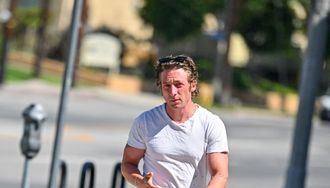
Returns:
(178,85)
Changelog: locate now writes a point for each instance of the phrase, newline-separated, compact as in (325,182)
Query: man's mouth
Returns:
(175,100)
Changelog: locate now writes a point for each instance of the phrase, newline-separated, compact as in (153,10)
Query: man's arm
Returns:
(218,166)
(129,164)
(129,168)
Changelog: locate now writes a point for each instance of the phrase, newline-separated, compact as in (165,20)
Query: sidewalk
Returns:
(41,87)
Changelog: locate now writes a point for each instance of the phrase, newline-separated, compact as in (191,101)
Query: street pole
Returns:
(83,21)
(309,86)
(26,173)
(7,31)
(66,85)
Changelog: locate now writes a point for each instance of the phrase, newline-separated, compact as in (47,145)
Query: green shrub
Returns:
(15,73)
(273,86)
(21,73)
(205,70)
(242,80)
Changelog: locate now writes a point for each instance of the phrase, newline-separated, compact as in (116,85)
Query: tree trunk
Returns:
(7,32)
(222,80)
(41,36)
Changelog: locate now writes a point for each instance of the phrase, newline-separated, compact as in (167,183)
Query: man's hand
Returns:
(129,168)
(147,179)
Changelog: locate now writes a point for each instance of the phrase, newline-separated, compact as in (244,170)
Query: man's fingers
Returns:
(149,174)
(148,179)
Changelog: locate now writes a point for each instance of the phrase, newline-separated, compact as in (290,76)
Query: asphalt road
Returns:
(96,127)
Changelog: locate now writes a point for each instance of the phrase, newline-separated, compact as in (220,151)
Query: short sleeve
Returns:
(135,137)
(216,136)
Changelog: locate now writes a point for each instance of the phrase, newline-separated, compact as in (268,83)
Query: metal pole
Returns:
(87,167)
(66,85)
(118,176)
(63,176)
(25,181)
(83,21)
(312,66)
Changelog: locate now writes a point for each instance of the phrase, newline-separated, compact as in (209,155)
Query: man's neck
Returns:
(180,115)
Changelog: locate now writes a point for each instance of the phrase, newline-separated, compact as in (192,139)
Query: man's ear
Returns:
(193,85)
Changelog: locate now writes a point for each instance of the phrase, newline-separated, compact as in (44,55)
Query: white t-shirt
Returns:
(176,153)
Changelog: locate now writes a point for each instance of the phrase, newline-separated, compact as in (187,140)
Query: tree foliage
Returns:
(177,19)
(28,17)
(266,25)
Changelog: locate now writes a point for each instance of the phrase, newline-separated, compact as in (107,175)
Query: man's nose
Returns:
(173,90)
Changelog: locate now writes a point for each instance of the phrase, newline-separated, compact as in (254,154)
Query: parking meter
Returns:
(34,116)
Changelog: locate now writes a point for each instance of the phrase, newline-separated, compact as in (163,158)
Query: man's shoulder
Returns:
(207,117)
(205,112)
(152,112)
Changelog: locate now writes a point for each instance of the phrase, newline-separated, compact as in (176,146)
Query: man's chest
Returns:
(188,145)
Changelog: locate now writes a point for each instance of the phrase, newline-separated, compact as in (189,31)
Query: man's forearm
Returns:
(132,174)
(218,181)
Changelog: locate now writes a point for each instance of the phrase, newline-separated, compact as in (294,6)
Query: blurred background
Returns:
(249,53)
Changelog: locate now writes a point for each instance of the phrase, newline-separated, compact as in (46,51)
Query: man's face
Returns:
(175,88)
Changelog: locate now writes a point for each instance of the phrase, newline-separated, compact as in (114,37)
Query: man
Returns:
(179,141)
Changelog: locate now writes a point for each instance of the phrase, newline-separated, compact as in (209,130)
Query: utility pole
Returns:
(7,32)
(309,86)
(41,36)
(66,85)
